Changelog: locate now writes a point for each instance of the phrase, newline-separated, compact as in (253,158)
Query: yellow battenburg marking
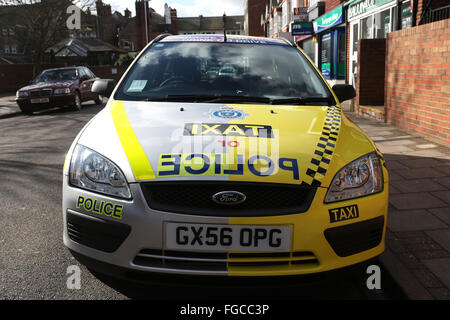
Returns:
(136,156)
(66,161)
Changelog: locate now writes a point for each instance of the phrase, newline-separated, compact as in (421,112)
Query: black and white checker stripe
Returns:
(325,148)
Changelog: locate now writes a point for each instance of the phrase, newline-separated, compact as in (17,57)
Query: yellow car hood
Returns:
(303,145)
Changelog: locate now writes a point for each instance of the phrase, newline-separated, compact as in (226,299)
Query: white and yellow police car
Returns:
(251,172)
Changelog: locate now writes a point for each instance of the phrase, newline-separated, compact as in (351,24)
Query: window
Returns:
(57,75)
(355,37)
(308,47)
(82,73)
(6,49)
(382,24)
(275,24)
(325,55)
(210,69)
(13,49)
(366,28)
(406,15)
(286,11)
(89,73)
(271,27)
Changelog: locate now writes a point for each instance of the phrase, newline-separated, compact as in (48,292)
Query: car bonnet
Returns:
(193,141)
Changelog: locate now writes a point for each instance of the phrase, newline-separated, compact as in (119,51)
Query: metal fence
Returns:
(438,14)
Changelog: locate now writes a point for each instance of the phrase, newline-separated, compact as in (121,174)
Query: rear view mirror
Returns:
(104,87)
(344,92)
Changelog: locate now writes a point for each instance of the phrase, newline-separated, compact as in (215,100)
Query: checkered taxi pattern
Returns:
(325,148)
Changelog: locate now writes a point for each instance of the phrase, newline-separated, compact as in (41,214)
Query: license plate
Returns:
(214,237)
(42,100)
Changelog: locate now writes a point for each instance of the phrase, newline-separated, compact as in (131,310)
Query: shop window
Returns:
(366,28)
(308,47)
(355,37)
(406,15)
(325,56)
(382,24)
(342,54)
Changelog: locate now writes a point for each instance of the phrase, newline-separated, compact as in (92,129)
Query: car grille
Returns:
(221,261)
(41,93)
(195,198)
(356,237)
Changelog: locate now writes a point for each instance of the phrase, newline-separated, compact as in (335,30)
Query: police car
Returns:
(191,172)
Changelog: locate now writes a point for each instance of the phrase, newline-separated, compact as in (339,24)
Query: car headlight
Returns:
(22,94)
(359,178)
(62,91)
(91,171)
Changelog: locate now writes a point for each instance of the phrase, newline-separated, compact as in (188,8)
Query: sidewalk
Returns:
(8,105)
(418,237)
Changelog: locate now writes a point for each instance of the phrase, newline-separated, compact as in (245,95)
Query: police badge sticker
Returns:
(228,113)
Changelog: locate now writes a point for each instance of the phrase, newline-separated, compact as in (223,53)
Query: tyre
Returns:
(98,100)
(26,111)
(77,105)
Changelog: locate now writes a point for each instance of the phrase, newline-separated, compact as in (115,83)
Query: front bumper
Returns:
(54,102)
(135,243)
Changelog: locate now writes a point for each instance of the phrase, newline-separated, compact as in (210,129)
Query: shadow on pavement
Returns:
(345,284)
(87,108)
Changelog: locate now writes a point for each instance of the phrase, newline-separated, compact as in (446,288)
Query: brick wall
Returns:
(108,72)
(15,76)
(255,9)
(371,72)
(418,80)
(331,4)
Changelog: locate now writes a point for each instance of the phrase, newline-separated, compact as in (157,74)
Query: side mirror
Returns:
(104,87)
(344,92)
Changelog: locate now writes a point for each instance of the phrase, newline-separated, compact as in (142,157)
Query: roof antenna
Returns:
(224,27)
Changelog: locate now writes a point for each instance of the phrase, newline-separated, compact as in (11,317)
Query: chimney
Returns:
(140,21)
(127,13)
(174,17)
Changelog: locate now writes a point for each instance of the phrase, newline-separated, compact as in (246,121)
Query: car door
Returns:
(85,86)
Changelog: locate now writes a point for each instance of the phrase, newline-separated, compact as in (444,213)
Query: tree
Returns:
(124,61)
(38,24)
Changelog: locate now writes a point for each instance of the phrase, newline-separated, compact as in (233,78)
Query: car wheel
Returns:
(98,100)
(26,111)
(77,105)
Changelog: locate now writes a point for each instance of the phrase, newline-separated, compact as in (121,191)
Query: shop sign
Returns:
(356,8)
(331,19)
(301,14)
(302,28)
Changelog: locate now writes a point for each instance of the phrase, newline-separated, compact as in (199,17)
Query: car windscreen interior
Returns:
(174,69)
(57,75)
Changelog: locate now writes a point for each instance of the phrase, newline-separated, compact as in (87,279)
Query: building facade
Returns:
(253,16)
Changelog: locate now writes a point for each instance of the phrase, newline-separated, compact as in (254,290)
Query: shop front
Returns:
(330,33)
(373,19)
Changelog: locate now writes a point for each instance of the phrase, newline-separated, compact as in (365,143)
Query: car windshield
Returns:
(57,75)
(187,71)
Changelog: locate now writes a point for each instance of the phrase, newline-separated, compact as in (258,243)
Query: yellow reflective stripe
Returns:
(136,156)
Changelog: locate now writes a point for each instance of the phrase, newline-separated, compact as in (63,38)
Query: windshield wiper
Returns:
(301,101)
(240,99)
(211,98)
